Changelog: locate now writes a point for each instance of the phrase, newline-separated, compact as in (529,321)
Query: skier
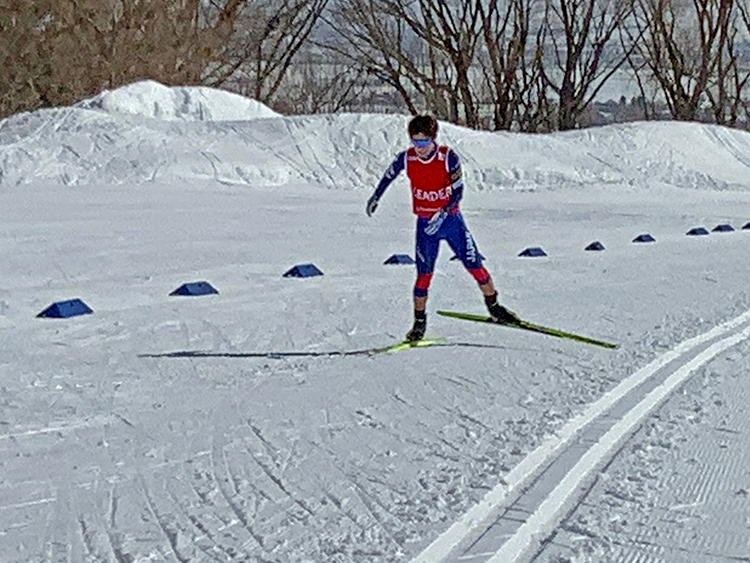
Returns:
(434,172)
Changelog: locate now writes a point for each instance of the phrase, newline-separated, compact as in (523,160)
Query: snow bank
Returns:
(154,100)
(148,132)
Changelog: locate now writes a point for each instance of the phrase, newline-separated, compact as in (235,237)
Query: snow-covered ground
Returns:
(108,455)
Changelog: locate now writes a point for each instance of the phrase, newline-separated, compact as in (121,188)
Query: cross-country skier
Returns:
(434,172)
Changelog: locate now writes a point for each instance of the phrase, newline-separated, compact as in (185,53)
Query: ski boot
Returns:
(418,329)
(499,313)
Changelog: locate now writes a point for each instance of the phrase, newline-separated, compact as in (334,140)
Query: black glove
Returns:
(372,205)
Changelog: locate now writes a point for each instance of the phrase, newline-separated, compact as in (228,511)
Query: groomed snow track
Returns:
(515,519)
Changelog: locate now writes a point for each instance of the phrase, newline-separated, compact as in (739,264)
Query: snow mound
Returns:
(685,155)
(154,100)
(148,132)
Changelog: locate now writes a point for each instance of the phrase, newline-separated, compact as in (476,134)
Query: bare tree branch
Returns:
(691,36)
(588,57)
(267,36)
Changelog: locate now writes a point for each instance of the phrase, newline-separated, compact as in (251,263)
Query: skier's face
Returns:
(423,145)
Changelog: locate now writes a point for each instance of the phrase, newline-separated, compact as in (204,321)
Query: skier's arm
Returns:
(457,181)
(396,167)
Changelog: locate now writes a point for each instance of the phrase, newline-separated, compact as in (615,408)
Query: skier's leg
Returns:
(462,243)
(460,240)
(426,253)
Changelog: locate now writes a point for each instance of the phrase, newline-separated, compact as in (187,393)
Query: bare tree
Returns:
(681,45)
(578,37)
(740,82)
(326,86)
(268,35)
(169,40)
(425,49)
(536,109)
(450,32)
(505,28)
(21,63)
(382,45)
(533,65)
(62,50)
(726,90)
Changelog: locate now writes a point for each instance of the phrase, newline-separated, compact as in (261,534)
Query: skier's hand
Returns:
(433,225)
(372,205)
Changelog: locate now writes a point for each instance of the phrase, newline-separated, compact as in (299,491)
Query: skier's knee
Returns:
(480,274)
(421,285)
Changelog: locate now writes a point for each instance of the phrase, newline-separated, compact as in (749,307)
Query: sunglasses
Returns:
(421,142)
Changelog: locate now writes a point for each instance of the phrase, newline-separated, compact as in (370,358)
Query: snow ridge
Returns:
(148,132)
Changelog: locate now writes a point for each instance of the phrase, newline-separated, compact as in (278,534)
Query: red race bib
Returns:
(430,181)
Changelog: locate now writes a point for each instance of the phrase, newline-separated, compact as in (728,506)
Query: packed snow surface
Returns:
(256,453)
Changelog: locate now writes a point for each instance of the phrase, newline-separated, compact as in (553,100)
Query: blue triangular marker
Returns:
(596,245)
(303,271)
(399,259)
(697,231)
(65,309)
(194,288)
(533,252)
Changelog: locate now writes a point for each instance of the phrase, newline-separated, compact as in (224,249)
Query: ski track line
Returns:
(479,517)
(552,509)
(88,422)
